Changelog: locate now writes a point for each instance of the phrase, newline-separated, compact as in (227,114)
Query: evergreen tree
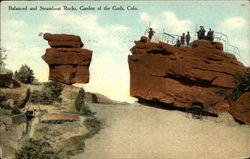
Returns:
(80,100)
(3,56)
(25,74)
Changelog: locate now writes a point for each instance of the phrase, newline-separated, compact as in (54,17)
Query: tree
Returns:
(80,100)
(80,104)
(242,83)
(3,55)
(25,74)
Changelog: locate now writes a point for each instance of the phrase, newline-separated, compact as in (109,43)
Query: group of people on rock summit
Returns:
(181,41)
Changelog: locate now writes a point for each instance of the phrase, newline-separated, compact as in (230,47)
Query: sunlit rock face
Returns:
(179,76)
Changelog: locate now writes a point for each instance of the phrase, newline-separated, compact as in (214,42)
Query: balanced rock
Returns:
(67,65)
(240,109)
(178,76)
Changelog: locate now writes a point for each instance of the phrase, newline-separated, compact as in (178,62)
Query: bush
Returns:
(49,94)
(242,83)
(39,97)
(80,99)
(80,103)
(53,90)
(25,74)
(39,149)
(2,57)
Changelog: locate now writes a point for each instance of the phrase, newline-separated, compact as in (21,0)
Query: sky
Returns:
(111,33)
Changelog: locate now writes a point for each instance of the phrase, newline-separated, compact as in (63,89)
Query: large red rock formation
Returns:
(179,76)
(68,62)
(240,109)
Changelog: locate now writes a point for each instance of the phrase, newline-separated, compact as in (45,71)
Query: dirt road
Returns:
(141,132)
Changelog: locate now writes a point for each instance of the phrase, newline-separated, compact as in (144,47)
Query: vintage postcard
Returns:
(125,79)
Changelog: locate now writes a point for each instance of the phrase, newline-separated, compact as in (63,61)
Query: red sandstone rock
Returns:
(69,74)
(177,75)
(59,117)
(208,44)
(67,56)
(144,39)
(63,40)
(67,65)
(240,109)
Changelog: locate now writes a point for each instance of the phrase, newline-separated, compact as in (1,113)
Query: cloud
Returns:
(13,29)
(233,23)
(167,20)
(46,28)
(119,28)
(175,25)
(238,33)
(145,17)
(15,23)
(149,20)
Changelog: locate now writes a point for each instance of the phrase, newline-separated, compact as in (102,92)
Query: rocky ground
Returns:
(129,131)
(142,132)
(53,123)
(59,124)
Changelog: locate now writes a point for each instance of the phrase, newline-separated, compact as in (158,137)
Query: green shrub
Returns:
(242,83)
(53,90)
(80,103)
(2,57)
(80,99)
(39,149)
(25,74)
(39,97)
(49,94)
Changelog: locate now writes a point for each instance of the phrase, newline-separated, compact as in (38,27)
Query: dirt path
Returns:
(140,132)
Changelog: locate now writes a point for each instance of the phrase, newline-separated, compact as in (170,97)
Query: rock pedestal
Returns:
(68,62)
(163,73)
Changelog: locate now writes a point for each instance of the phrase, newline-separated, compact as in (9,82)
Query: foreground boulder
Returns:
(16,97)
(6,78)
(240,109)
(68,62)
(163,73)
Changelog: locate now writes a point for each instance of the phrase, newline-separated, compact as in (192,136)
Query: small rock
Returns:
(6,78)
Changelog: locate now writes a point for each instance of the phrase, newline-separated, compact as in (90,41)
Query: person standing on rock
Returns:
(188,38)
(199,33)
(210,35)
(150,34)
(203,31)
(183,39)
(178,43)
